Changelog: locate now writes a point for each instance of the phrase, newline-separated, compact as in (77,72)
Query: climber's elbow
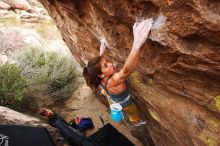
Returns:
(125,72)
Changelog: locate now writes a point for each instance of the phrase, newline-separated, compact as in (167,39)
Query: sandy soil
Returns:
(84,103)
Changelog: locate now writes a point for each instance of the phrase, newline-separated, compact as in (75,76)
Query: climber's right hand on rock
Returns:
(140,32)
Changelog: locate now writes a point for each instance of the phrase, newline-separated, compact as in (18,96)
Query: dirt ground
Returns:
(84,103)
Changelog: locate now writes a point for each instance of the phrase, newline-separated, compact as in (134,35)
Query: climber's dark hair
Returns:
(92,71)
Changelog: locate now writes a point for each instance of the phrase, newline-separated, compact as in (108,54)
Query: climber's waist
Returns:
(123,101)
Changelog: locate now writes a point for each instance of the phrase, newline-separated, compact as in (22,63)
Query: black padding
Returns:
(14,135)
(109,136)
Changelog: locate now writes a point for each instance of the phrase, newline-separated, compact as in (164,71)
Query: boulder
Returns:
(4,6)
(11,117)
(16,38)
(18,4)
(6,13)
(176,85)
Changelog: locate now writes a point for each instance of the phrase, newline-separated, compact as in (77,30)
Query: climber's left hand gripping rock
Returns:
(102,47)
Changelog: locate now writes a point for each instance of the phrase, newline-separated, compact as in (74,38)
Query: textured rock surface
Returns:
(23,10)
(10,117)
(177,83)
(16,39)
(18,4)
(4,6)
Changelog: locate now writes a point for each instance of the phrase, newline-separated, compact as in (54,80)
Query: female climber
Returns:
(101,72)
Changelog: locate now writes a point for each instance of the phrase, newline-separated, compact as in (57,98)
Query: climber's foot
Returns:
(138,123)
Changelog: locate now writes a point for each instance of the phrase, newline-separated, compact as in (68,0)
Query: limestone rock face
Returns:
(177,82)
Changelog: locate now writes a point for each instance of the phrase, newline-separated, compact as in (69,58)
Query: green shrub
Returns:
(13,87)
(49,74)
(38,74)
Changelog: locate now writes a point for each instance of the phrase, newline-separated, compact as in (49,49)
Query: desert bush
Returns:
(37,74)
(13,87)
(49,74)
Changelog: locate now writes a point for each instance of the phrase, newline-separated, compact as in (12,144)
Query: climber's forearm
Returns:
(102,50)
(128,68)
(132,60)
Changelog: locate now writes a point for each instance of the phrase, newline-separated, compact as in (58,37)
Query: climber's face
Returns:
(107,67)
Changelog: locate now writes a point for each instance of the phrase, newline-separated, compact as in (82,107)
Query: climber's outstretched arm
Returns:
(140,32)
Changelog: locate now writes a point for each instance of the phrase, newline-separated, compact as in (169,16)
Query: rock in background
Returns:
(21,9)
(177,83)
(25,24)
(4,6)
(16,39)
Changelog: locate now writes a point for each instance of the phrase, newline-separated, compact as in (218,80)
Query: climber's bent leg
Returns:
(132,112)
